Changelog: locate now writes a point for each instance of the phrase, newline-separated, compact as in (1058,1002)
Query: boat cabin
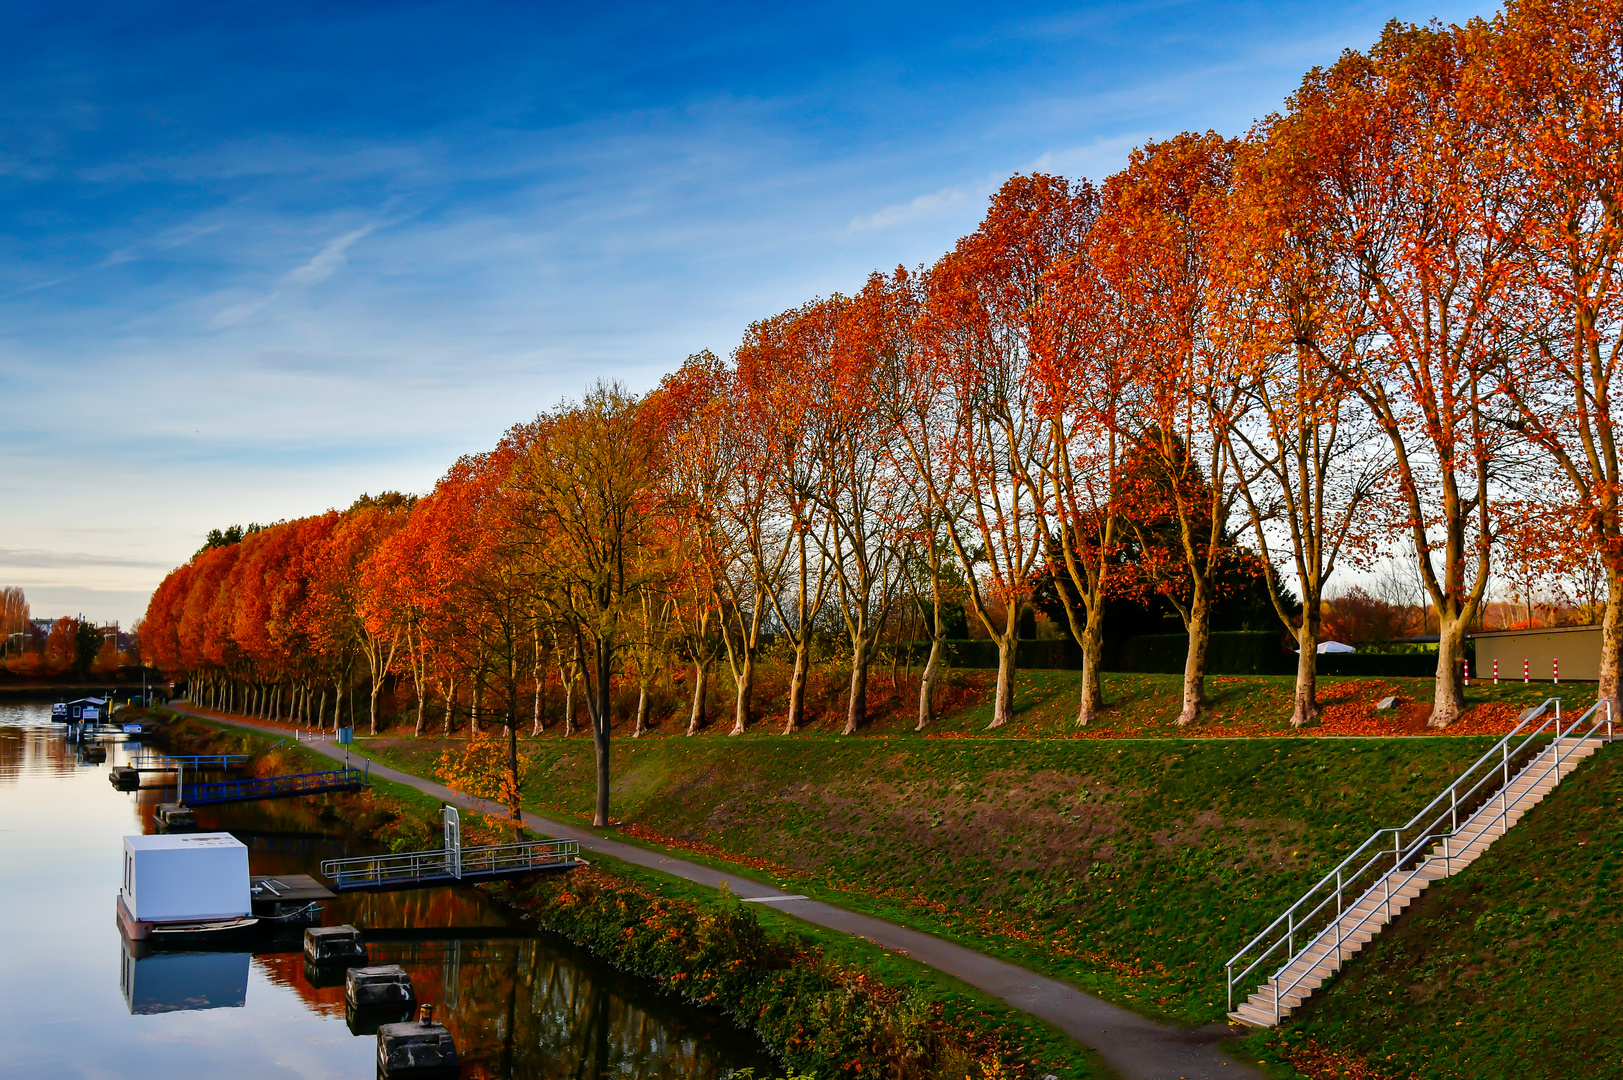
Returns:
(74,712)
(189,878)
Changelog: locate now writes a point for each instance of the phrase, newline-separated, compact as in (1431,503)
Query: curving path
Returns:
(1134,1047)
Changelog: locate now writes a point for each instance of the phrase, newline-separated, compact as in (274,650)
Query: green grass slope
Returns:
(1511,969)
(1132,868)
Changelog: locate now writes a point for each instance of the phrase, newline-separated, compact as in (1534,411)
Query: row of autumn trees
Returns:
(1387,316)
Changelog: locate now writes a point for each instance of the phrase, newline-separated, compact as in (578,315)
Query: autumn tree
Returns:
(587,489)
(1307,459)
(1404,175)
(976,329)
(1551,82)
(1157,244)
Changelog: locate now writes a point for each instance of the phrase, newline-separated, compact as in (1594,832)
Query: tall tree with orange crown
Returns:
(1156,244)
(976,330)
(1404,170)
(1551,77)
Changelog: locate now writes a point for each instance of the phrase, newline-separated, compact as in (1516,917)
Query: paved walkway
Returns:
(1133,1046)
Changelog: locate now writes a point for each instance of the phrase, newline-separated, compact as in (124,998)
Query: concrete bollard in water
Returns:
(173,818)
(334,945)
(416,1050)
(385,985)
(124,778)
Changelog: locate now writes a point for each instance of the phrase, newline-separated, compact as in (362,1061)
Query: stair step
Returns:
(1253,1016)
(1323,956)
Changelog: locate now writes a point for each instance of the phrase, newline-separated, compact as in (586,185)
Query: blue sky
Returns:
(255,260)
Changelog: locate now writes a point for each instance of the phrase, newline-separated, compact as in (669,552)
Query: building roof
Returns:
(1536,630)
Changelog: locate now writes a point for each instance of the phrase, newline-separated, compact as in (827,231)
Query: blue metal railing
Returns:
(271,787)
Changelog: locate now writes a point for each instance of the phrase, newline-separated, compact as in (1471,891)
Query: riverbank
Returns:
(829,1004)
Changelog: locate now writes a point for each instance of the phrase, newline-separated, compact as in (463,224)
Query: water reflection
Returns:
(184,981)
(83,1004)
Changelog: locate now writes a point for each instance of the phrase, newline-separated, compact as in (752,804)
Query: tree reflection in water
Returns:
(540,1008)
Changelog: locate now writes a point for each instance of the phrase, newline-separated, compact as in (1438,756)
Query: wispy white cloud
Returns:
(920,208)
(329,260)
(321,266)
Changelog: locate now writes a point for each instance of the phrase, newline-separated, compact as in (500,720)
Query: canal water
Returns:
(75,1003)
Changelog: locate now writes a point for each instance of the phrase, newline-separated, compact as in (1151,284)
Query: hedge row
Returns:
(821,1020)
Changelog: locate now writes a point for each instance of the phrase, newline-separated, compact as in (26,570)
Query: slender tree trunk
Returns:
(928,680)
(338,705)
(1305,705)
(373,730)
(1611,644)
(478,701)
(856,712)
(797,686)
(569,705)
(745,681)
(1093,656)
(642,712)
(450,705)
(1194,664)
(321,709)
(701,684)
(1448,700)
(600,733)
(1003,701)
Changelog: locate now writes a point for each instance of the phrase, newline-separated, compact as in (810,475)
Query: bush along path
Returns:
(1133,1046)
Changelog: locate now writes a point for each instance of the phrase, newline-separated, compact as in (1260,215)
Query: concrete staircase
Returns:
(1334,921)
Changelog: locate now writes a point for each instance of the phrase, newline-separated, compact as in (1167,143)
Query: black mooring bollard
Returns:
(387,984)
(416,1051)
(334,945)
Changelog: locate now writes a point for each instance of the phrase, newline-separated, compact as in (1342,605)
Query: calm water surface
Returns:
(76,1005)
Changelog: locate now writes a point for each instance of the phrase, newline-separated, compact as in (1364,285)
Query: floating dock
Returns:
(461,866)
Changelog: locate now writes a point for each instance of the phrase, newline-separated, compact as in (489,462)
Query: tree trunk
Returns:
(569,706)
(1448,700)
(797,686)
(450,706)
(1611,644)
(373,730)
(321,709)
(536,725)
(1093,653)
(642,712)
(1003,702)
(1305,706)
(745,680)
(1194,664)
(600,734)
(701,680)
(422,718)
(928,680)
(338,705)
(856,712)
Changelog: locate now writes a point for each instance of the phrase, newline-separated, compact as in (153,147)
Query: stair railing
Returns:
(1371,866)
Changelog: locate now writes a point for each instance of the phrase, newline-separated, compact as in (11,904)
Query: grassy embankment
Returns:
(1509,970)
(898,1014)
(1131,868)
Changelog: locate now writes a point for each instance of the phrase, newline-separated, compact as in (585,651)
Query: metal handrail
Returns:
(1296,921)
(416,865)
(166,762)
(258,786)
